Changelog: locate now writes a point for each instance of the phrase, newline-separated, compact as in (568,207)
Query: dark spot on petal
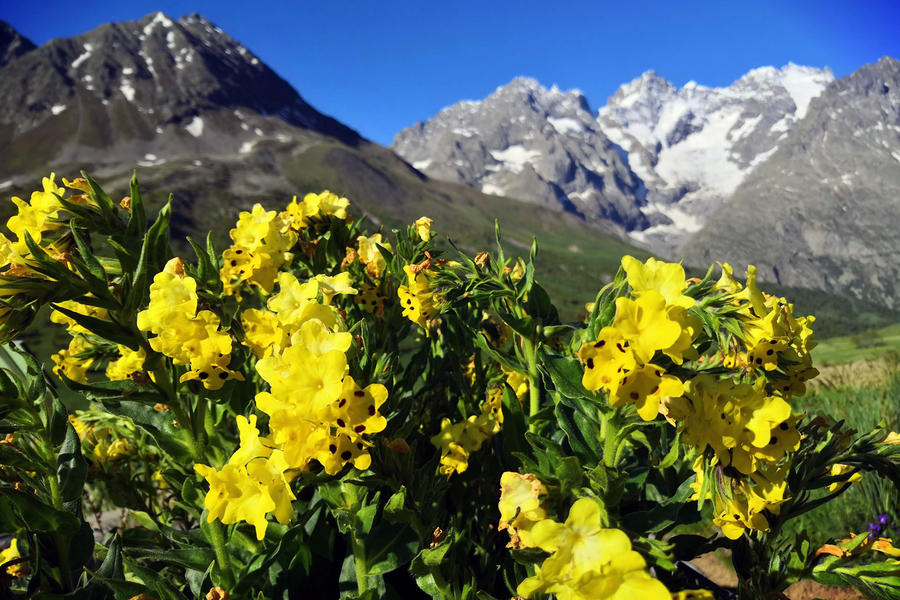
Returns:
(341,423)
(346,455)
(770,352)
(359,393)
(784,426)
(359,445)
(759,361)
(773,440)
(635,395)
(590,363)
(342,403)
(332,448)
(203,375)
(223,375)
(600,344)
(371,410)
(234,263)
(359,428)
(654,390)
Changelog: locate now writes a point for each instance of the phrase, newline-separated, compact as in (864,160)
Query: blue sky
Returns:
(379,66)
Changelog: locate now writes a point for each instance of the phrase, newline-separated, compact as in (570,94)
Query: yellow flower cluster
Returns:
(587,560)
(316,410)
(457,441)
(262,243)
(774,340)
(129,363)
(183,333)
(620,361)
(74,361)
(41,218)
(417,298)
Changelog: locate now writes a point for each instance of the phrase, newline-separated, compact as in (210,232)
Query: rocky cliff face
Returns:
(12,45)
(537,145)
(653,165)
(692,147)
(823,210)
(147,91)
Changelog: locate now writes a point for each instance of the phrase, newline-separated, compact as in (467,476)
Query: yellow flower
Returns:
(299,213)
(355,412)
(842,470)
(517,381)
(645,387)
(196,340)
(606,360)
(370,255)
(302,380)
(646,325)
(252,227)
(370,299)
(588,561)
(693,595)
(743,511)
(129,362)
(331,204)
(10,554)
(262,332)
(520,506)
(417,299)
(892,439)
(212,375)
(70,364)
(248,493)
(171,293)
(296,303)
(341,449)
(339,284)
(456,442)
(423,228)
(666,278)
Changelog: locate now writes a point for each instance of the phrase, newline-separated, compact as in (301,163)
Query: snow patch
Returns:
(170,40)
(681,222)
(127,90)
(160,19)
(896,155)
(284,139)
(257,131)
(127,71)
(254,61)
(746,128)
(420,165)
(197,163)
(245,127)
(465,131)
(490,188)
(5,184)
(195,127)
(87,54)
(149,157)
(565,125)
(515,158)
(57,109)
(247,147)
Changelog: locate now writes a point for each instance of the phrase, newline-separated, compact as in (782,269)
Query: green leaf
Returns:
(137,220)
(124,389)
(40,517)
(190,558)
(71,467)
(388,547)
(109,330)
(514,427)
(144,520)
(566,374)
(37,383)
(95,274)
(157,424)
(395,510)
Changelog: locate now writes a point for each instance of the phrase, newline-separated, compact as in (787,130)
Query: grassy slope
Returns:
(866,345)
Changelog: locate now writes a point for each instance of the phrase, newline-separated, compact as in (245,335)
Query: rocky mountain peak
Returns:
(532,143)
(12,44)
(154,87)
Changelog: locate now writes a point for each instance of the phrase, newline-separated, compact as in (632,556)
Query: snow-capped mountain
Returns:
(654,163)
(692,147)
(143,92)
(822,211)
(530,143)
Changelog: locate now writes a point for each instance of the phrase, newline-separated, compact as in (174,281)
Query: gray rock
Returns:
(537,145)
(12,44)
(142,92)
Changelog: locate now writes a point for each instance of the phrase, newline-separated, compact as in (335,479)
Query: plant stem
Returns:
(610,441)
(200,421)
(359,557)
(217,534)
